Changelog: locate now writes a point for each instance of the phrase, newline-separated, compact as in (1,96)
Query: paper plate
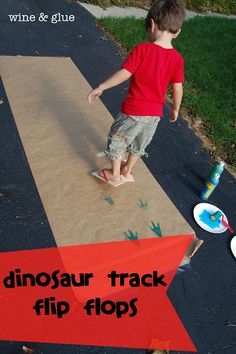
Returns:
(233,246)
(200,213)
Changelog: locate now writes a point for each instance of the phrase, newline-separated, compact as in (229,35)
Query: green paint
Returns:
(142,204)
(217,169)
(156,229)
(109,200)
(216,215)
(131,235)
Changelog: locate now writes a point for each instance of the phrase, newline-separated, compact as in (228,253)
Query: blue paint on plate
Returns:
(205,217)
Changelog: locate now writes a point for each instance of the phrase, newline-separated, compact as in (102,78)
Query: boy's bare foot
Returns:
(125,170)
(109,175)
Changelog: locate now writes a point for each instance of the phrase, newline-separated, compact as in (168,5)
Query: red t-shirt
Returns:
(153,68)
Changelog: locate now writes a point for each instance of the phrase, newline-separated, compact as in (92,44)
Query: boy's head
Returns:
(168,15)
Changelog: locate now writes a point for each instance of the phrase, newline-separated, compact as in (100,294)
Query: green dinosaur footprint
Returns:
(131,235)
(109,200)
(156,229)
(143,205)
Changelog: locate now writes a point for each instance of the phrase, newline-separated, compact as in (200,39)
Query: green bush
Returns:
(222,6)
(107,3)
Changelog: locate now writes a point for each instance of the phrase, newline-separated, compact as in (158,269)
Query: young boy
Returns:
(152,67)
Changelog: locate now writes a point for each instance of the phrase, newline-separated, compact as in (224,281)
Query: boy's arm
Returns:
(116,79)
(177,94)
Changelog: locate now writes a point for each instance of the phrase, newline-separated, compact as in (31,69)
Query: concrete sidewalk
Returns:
(116,11)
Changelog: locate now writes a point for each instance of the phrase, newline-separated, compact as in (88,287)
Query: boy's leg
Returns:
(128,166)
(113,174)
(139,144)
(118,141)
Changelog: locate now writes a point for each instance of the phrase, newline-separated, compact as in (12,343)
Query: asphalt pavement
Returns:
(204,296)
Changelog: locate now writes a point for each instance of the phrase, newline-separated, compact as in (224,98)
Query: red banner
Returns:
(108,294)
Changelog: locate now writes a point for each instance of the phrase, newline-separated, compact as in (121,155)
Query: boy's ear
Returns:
(175,35)
(153,25)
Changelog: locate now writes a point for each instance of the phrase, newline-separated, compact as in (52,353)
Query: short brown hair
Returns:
(169,16)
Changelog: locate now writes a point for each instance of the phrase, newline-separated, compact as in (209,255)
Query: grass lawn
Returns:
(208,47)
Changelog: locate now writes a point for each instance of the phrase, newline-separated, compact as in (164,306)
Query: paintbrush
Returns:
(224,222)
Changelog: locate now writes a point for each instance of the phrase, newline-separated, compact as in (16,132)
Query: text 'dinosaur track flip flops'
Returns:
(103,177)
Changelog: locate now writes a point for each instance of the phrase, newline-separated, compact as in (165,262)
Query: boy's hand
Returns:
(174,115)
(94,94)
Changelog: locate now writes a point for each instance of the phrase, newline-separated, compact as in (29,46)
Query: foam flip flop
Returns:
(128,179)
(103,177)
